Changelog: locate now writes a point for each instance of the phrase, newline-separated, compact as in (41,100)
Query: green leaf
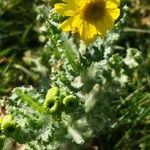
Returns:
(70,55)
(32,102)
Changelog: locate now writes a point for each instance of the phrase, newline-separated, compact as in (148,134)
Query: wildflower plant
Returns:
(88,19)
(96,87)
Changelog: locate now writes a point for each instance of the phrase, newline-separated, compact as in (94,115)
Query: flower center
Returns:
(94,10)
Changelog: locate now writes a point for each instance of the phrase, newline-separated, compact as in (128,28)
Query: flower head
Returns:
(52,92)
(52,105)
(9,126)
(52,100)
(89,18)
(70,102)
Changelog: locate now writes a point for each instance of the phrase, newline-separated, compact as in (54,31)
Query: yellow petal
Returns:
(88,32)
(73,2)
(67,25)
(106,23)
(112,4)
(64,9)
(69,8)
(114,13)
(70,23)
(101,28)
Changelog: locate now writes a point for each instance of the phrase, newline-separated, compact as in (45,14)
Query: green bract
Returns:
(70,102)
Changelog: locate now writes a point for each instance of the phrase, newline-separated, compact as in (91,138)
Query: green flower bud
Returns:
(52,105)
(8,126)
(52,100)
(54,91)
(70,102)
(12,129)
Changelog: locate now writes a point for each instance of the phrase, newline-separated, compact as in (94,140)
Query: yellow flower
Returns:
(89,18)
